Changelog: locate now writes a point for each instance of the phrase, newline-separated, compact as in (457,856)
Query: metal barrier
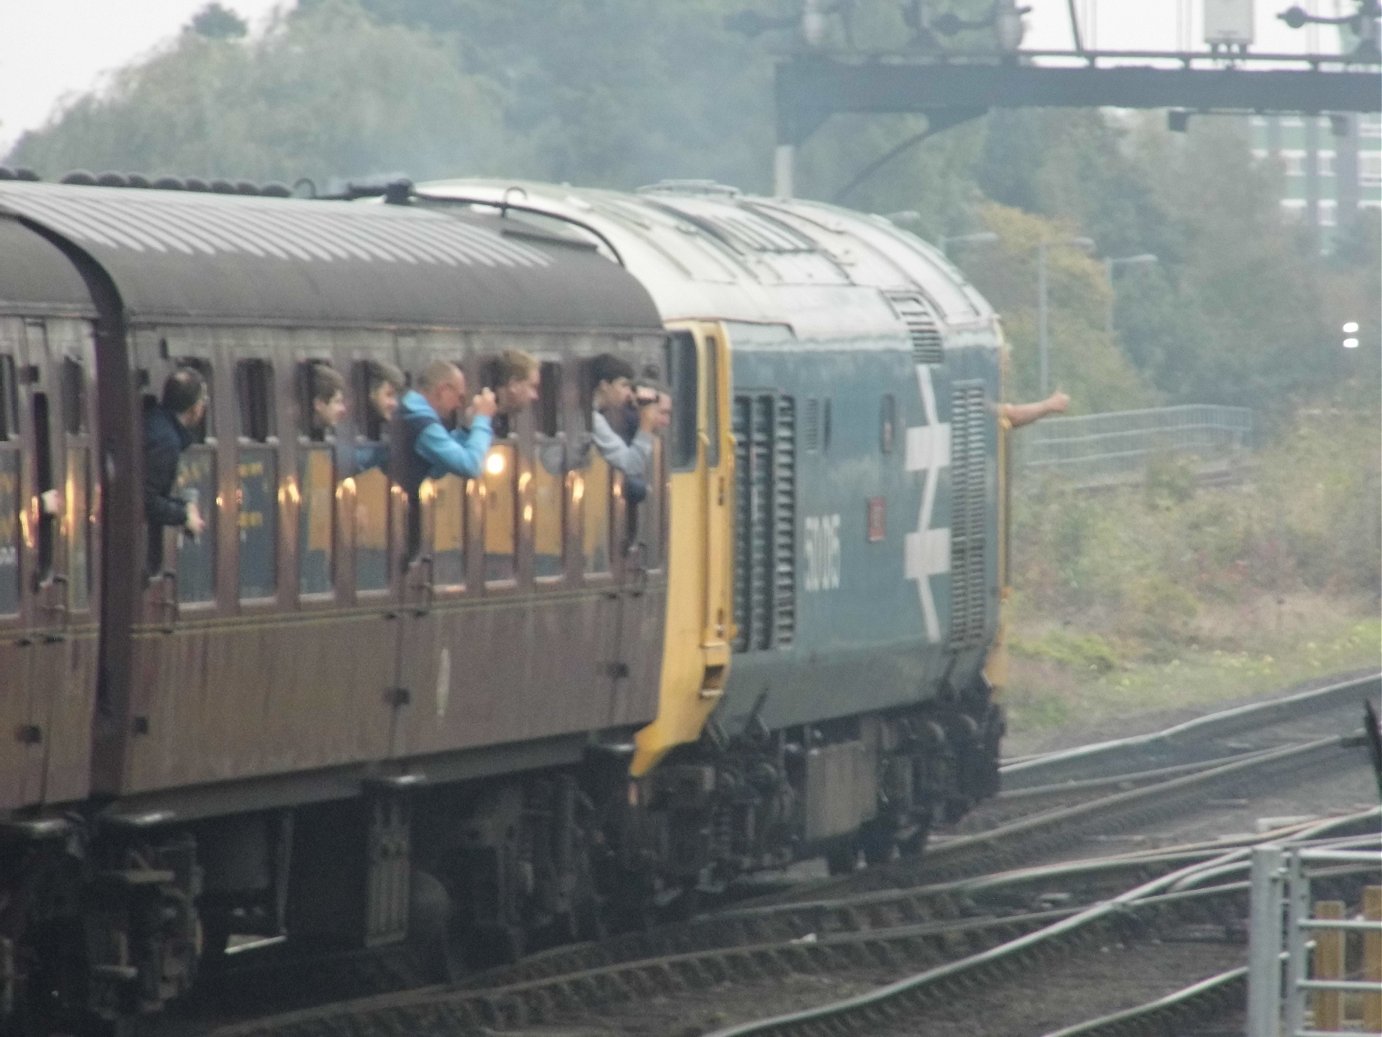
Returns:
(1283,920)
(1100,448)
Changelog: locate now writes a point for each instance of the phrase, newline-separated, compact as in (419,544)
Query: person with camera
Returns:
(613,391)
(167,433)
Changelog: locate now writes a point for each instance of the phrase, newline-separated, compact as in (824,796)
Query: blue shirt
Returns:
(443,452)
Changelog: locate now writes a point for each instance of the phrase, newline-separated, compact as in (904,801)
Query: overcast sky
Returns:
(52,49)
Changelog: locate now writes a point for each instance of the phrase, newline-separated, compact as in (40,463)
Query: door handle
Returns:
(426,587)
(634,566)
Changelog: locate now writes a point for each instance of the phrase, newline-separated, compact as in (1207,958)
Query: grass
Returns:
(1137,608)
(1055,698)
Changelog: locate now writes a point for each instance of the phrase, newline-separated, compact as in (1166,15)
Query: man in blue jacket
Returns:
(433,442)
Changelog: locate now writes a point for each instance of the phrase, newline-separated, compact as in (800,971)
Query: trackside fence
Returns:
(1301,981)
(1098,449)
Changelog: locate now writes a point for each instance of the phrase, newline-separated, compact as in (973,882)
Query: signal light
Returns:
(1350,329)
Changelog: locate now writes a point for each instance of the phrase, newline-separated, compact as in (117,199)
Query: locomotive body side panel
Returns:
(860,640)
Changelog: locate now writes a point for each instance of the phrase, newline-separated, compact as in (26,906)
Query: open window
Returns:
(10,506)
(196,483)
(378,386)
(593,490)
(548,499)
(257,479)
(317,384)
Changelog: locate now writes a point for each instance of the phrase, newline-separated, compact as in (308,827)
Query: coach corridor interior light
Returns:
(1350,329)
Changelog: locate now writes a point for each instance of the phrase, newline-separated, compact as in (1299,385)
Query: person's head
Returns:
(328,397)
(517,381)
(442,385)
(383,384)
(613,378)
(184,394)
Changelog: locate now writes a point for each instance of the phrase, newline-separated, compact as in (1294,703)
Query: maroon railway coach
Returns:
(250,734)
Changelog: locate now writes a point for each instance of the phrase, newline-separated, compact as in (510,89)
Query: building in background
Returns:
(1331,167)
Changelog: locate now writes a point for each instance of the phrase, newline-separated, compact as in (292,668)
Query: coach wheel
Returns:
(877,839)
(842,855)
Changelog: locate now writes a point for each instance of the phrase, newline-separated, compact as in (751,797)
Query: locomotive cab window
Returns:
(681,363)
(257,473)
(712,402)
(321,402)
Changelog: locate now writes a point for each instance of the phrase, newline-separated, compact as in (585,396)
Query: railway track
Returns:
(1158,919)
(1329,709)
(907,915)
(1151,922)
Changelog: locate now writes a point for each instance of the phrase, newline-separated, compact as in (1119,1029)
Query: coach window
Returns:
(373,380)
(319,409)
(501,512)
(78,489)
(9,488)
(196,559)
(258,479)
(43,464)
(593,490)
(442,532)
(548,496)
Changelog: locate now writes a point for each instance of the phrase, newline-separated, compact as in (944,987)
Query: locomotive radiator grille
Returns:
(921,326)
(785,524)
(967,528)
(765,521)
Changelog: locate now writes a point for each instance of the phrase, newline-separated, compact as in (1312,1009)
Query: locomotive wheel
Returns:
(434,946)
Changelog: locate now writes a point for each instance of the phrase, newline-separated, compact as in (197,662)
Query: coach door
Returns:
(47,517)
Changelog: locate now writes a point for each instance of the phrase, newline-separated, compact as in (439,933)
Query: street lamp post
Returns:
(1043,332)
(1109,263)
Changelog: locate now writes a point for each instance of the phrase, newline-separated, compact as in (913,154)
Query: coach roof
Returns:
(176,256)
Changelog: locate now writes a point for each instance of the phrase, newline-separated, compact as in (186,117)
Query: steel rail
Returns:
(1049,768)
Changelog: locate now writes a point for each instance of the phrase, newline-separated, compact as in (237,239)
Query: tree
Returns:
(326,91)
(218,23)
(1083,360)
